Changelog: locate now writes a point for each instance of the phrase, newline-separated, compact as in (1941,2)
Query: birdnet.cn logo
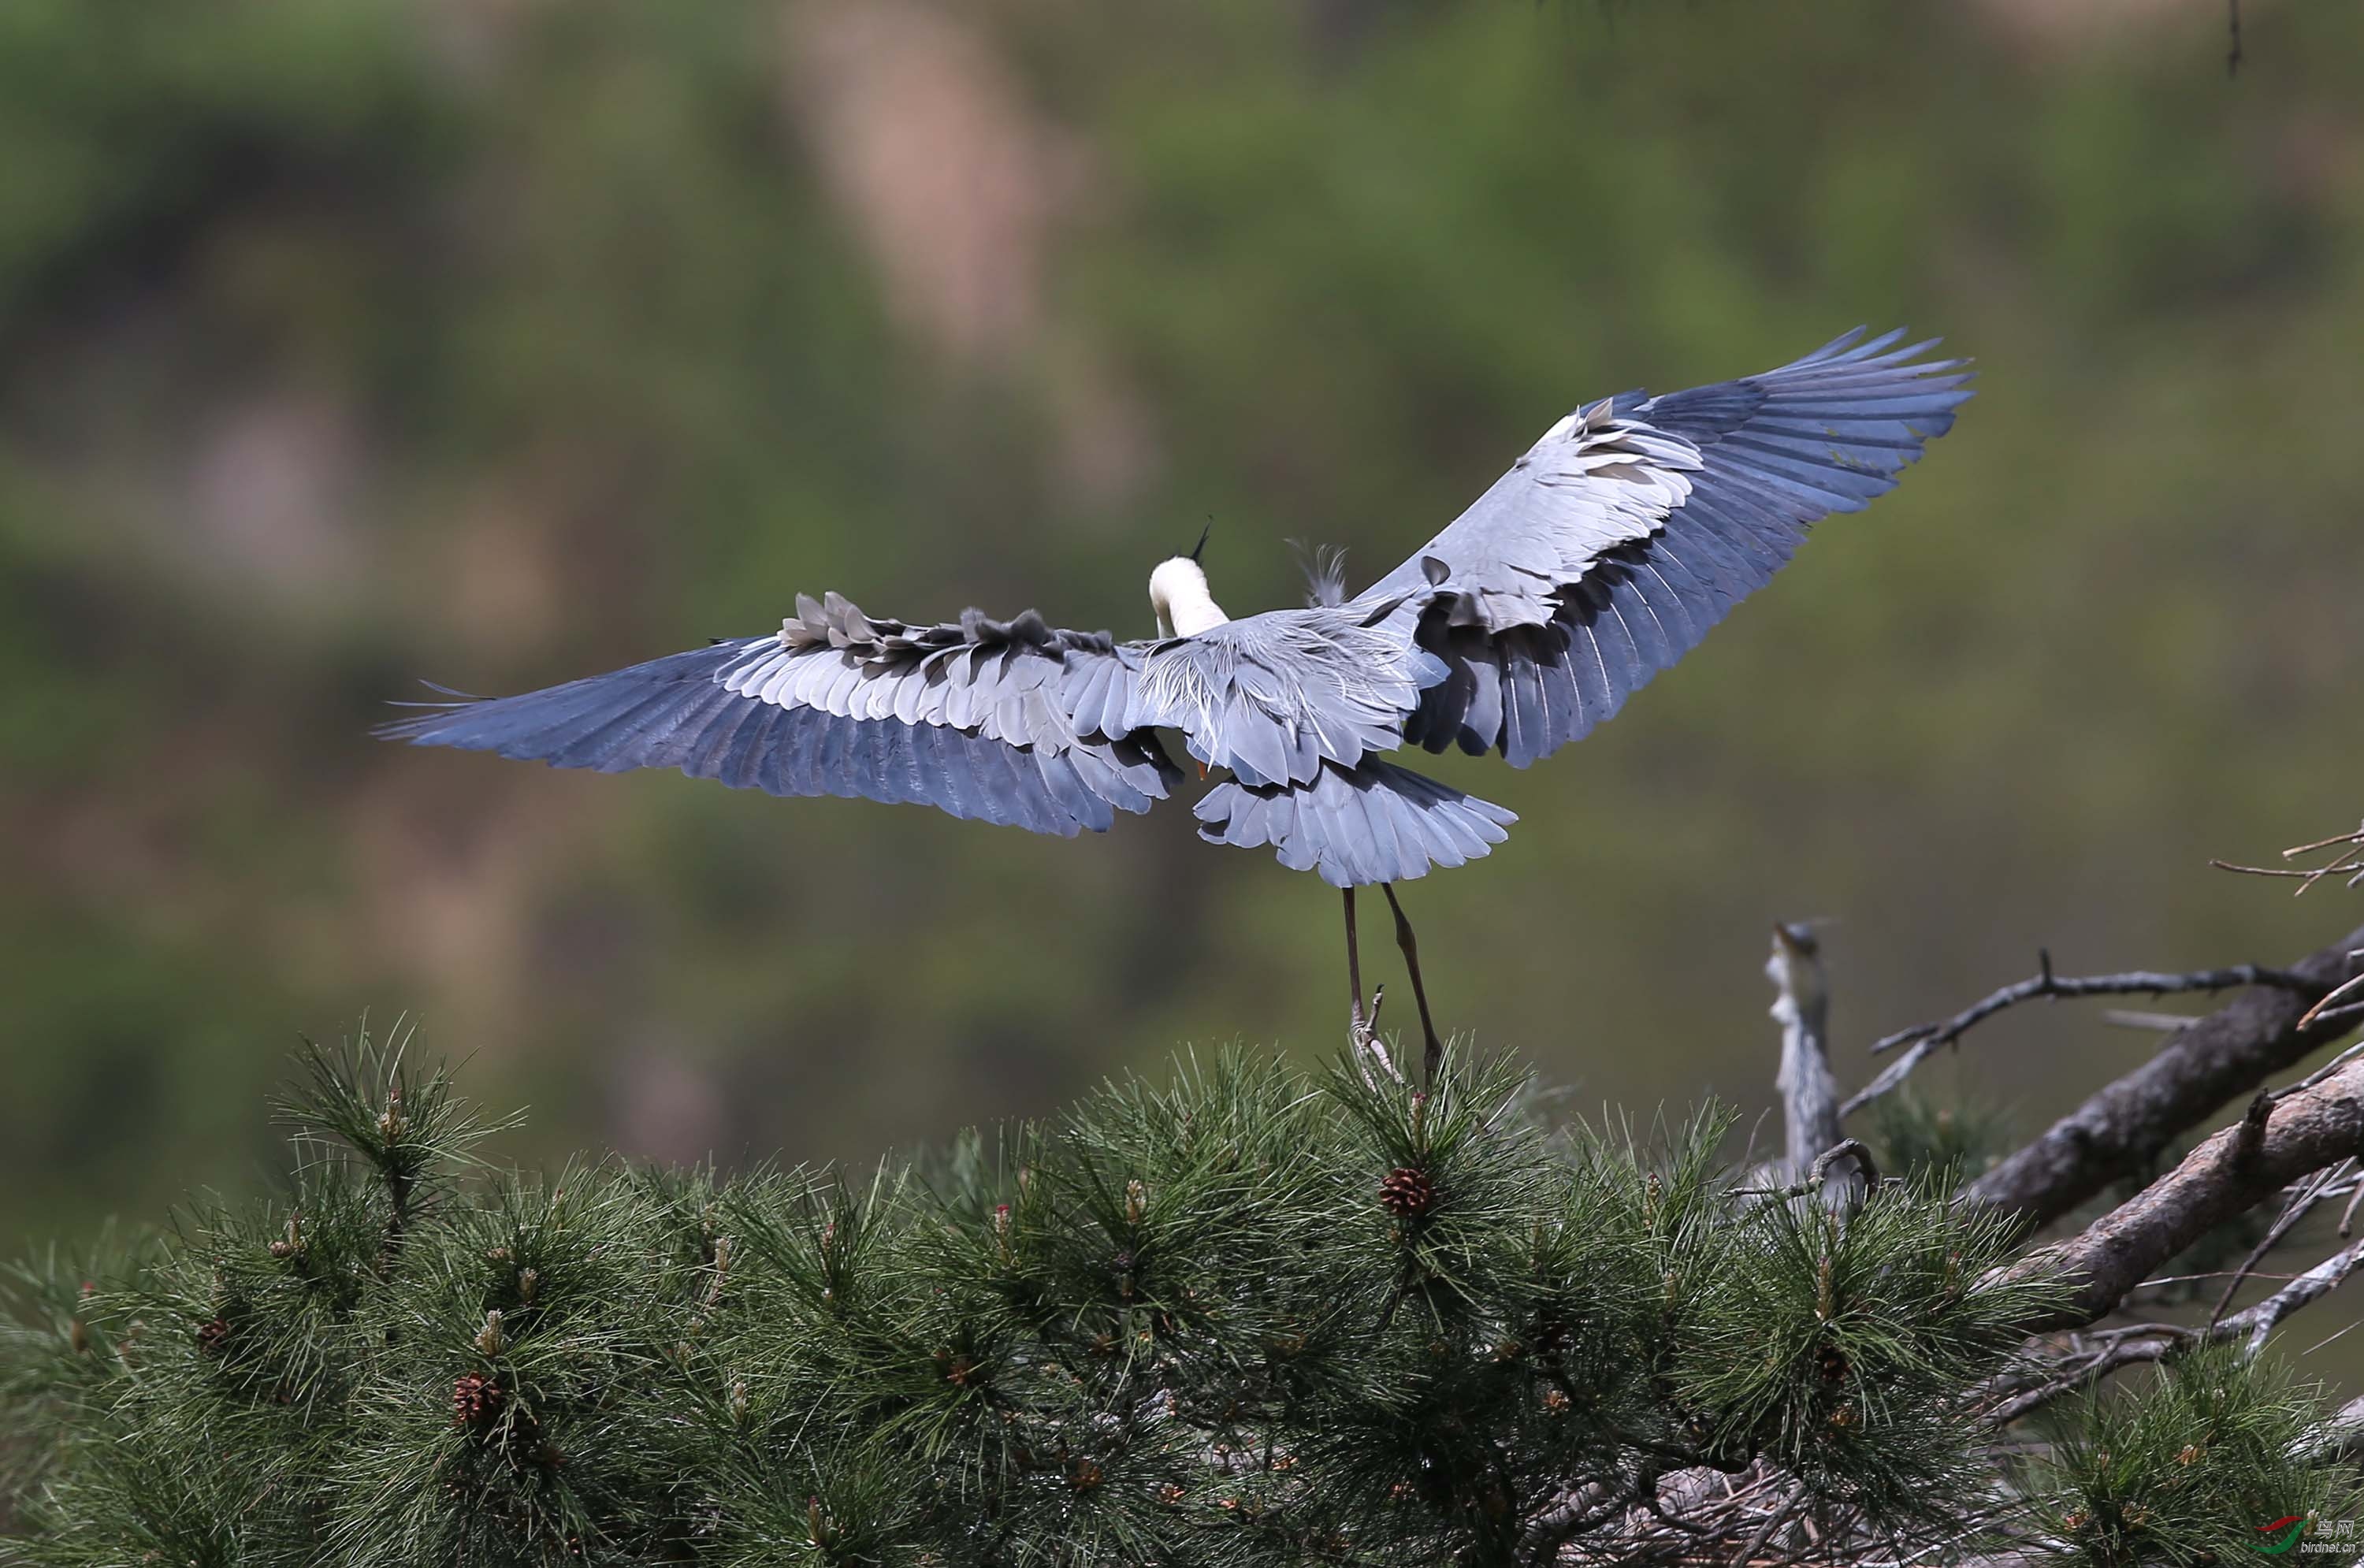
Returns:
(2298,1534)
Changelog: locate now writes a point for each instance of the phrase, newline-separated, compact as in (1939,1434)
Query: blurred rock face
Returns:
(952,178)
(2047,27)
(271,495)
(961,189)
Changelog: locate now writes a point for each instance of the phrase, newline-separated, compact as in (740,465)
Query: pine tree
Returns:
(1243,1316)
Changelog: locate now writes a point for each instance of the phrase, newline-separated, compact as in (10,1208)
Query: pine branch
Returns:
(2177,1467)
(1236,1320)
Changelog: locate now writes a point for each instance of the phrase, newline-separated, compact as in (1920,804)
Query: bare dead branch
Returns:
(1927,1039)
(1845,1147)
(2300,1204)
(2087,1359)
(1865,1176)
(2046,985)
(2076,1363)
(2128,1122)
(2353,869)
(1801,1006)
(2229,1174)
(2339,1435)
(2137,1018)
(2345,1018)
(1772,1521)
(2332,1000)
(2347,858)
(1807,1087)
(2086,1369)
(2258,1322)
(1569,1515)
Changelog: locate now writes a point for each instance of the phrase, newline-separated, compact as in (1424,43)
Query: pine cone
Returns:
(476,1401)
(1833,1362)
(1407,1193)
(213,1337)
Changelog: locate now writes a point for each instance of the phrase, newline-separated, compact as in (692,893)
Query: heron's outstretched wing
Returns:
(1000,721)
(1634,525)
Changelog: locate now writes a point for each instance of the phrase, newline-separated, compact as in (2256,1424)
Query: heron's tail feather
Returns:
(1373,822)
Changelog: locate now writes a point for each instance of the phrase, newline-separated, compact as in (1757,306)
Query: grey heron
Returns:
(1600,558)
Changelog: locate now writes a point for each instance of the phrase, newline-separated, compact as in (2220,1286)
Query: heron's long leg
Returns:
(1365,1024)
(1353,974)
(1434,1058)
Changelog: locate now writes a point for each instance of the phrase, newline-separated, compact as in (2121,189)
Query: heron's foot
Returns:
(1363,1033)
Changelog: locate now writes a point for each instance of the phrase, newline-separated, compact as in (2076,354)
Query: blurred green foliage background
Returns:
(500,341)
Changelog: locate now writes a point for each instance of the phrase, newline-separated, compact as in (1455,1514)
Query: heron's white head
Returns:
(1178,592)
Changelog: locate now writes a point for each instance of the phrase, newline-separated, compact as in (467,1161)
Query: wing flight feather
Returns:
(1005,722)
(1667,512)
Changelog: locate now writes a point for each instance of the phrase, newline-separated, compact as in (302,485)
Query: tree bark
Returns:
(2271,1146)
(1810,1095)
(2200,1070)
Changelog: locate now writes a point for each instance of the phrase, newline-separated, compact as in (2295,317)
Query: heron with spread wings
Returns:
(1601,557)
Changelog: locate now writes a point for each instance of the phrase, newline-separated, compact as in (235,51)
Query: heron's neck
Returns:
(1193,610)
